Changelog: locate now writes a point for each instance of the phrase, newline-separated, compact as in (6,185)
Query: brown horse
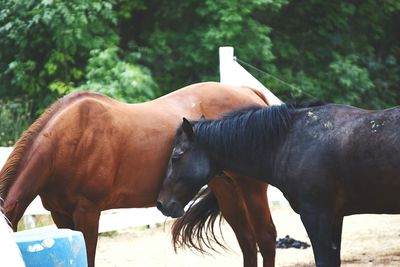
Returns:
(89,153)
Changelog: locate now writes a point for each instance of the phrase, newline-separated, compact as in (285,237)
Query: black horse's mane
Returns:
(253,129)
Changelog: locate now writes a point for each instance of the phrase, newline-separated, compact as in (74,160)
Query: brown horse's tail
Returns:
(195,229)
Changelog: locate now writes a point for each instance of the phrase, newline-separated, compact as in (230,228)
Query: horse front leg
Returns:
(325,235)
(337,237)
(86,219)
(62,219)
(234,210)
(255,195)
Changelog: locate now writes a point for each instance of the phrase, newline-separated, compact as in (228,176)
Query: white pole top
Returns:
(233,73)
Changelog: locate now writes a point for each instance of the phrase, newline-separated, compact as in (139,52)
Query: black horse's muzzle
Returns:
(172,208)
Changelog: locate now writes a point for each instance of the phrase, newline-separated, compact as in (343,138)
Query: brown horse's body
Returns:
(90,153)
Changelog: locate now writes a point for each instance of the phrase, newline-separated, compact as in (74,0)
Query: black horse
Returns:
(329,161)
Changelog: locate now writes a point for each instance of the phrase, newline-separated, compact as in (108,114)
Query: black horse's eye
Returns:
(176,155)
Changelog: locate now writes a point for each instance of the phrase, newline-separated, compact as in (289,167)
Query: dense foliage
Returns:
(135,50)
(340,51)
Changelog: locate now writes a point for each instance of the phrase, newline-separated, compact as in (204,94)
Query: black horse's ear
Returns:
(187,128)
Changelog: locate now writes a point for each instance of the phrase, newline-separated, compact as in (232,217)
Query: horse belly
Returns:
(375,198)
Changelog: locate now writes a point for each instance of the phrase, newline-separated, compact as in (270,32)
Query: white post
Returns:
(226,61)
(233,73)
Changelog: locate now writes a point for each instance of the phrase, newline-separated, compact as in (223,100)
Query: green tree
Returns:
(106,73)
(50,47)
(15,116)
(339,51)
(179,40)
(45,44)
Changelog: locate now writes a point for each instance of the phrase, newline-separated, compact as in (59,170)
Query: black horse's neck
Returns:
(245,142)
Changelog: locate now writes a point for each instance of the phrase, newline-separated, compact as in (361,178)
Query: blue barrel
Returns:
(49,248)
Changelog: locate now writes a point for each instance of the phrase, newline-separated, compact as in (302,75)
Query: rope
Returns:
(291,86)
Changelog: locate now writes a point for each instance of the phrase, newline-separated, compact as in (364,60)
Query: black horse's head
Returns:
(189,169)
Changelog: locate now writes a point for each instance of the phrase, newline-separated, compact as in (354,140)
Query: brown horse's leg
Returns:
(235,213)
(62,220)
(255,196)
(86,219)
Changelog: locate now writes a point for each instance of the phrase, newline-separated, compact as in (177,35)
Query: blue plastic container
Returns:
(49,248)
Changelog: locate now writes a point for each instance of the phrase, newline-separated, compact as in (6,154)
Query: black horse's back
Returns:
(346,151)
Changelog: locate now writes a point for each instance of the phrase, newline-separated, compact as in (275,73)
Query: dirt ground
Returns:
(368,240)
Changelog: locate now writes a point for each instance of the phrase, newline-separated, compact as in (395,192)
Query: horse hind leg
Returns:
(235,213)
(255,196)
(86,219)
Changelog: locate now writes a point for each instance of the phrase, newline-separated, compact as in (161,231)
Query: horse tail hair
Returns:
(195,229)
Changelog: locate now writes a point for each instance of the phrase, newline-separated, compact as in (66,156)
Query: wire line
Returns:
(295,88)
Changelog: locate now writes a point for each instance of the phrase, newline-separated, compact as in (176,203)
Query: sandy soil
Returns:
(368,240)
